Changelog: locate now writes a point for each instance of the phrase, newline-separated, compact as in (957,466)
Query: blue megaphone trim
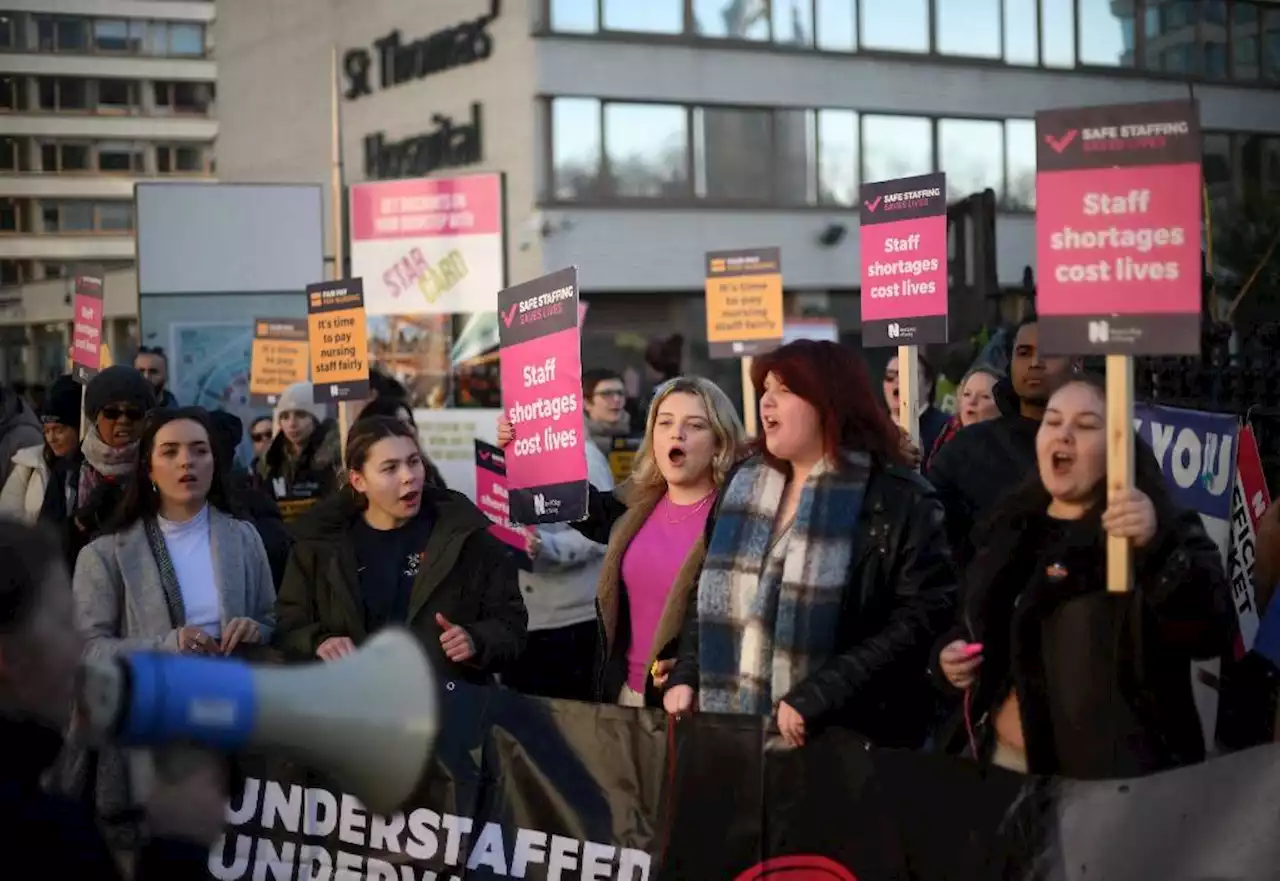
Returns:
(175,698)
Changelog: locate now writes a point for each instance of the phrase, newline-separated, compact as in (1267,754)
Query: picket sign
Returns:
(1119,463)
(1250,499)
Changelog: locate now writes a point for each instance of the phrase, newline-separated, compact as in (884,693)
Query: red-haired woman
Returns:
(827,576)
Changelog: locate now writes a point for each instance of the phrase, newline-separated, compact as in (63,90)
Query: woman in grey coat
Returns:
(175,572)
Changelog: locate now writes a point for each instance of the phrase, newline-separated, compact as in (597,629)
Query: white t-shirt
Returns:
(191,550)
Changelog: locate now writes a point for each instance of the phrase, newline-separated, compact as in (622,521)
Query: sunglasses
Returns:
(114,414)
(261,436)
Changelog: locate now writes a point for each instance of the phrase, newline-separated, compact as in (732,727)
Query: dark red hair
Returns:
(834,379)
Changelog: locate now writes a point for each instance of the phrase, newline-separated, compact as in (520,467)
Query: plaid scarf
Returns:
(766,621)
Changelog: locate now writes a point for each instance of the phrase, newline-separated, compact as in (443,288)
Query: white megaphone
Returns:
(369,720)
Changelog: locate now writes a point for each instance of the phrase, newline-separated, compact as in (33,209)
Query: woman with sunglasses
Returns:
(86,487)
(260,432)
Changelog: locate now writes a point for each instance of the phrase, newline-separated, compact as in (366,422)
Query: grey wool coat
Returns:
(120,608)
(120,602)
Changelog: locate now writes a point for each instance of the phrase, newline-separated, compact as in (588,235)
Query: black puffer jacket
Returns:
(897,601)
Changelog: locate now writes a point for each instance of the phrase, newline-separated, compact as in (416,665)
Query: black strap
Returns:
(168,575)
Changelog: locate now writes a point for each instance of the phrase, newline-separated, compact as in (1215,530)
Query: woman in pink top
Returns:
(653,526)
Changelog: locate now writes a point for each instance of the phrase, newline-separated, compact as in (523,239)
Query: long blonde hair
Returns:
(646,482)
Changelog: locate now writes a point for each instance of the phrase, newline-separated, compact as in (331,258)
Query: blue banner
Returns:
(1196,452)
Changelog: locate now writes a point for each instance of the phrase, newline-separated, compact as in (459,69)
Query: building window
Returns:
(1021,26)
(733,155)
(895,25)
(896,146)
(59,157)
(795,139)
(115,216)
(10,270)
(186,38)
(647,148)
(731,19)
(179,159)
(649,17)
(62,34)
(1057,33)
(87,217)
(63,93)
(115,156)
(12,213)
(971,152)
(12,94)
(967,27)
(837,25)
(1106,33)
(10,154)
(183,97)
(1271,44)
(574,16)
(12,31)
(1245,64)
(837,157)
(112,35)
(1020,164)
(576,149)
(118,96)
(793,23)
(73,217)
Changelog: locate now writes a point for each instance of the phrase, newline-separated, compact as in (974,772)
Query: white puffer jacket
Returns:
(23,492)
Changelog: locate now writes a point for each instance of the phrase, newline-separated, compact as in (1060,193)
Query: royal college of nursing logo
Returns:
(1099,332)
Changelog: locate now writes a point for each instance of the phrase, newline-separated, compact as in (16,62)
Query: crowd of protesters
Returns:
(944,593)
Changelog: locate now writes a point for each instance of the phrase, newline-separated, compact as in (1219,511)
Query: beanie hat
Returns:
(299,396)
(228,431)
(118,384)
(62,403)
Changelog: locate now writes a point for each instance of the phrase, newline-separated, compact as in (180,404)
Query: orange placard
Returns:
(278,358)
(339,340)
(744,302)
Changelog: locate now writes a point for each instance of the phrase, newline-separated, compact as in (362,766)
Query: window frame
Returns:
(95,207)
(1141,68)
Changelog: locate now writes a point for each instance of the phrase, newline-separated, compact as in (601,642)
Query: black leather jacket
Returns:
(898,600)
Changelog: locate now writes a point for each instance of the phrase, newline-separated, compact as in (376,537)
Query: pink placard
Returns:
(904,269)
(491,496)
(452,206)
(541,372)
(86,338)
(1118,241)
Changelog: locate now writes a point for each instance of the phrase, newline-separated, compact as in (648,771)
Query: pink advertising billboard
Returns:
(429,245)
(903,240)
(1118,217)
(541,371)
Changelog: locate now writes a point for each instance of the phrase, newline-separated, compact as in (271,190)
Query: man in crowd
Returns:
(153,363)
(985,461)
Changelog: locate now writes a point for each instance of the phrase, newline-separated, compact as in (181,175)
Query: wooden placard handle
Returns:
(1119,463)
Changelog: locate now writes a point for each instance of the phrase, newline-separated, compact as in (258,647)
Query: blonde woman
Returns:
(653,525)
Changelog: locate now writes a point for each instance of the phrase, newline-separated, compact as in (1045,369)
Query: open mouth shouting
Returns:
(411,498)
(1061,462)
(770,423)
(187,479)
(677,455)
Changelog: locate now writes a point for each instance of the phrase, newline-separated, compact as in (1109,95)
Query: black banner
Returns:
(529,788)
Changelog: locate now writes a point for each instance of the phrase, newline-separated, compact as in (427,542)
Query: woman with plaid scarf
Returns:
(827,576)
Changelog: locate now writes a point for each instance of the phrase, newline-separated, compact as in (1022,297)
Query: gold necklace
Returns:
(696,508)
